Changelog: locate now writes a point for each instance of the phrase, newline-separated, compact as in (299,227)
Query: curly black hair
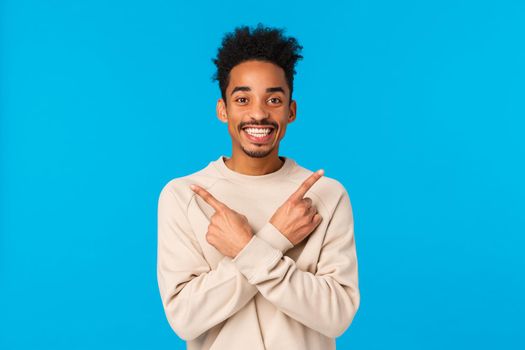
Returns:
(260,43)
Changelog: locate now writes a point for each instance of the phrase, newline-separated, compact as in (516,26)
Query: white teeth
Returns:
(257,132)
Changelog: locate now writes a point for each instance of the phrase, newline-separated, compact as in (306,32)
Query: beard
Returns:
(256,154)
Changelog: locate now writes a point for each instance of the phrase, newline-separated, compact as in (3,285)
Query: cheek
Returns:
(233,130)
(282,131)
(282,127)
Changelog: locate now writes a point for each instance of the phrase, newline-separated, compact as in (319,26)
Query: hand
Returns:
(228,230)
(297,218)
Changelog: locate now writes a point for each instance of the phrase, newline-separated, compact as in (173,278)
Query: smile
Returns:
(259,135)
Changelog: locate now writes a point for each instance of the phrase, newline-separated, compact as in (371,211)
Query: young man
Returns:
(254,251)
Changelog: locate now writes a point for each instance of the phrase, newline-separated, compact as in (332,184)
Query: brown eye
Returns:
(275,100)
(241,100)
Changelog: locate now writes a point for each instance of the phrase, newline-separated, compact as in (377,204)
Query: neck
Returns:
(242,163)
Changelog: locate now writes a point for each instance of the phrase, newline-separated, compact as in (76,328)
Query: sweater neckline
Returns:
(250,179)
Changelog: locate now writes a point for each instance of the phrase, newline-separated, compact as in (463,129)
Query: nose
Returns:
(259,111)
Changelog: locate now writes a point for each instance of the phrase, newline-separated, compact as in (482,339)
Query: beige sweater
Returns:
(272,295)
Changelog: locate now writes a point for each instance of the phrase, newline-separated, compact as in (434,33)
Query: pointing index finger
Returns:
(207,196)
(306,185)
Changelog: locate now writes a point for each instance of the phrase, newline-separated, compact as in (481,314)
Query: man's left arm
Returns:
(326,301)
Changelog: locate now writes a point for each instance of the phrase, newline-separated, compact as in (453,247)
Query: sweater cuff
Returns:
(273,236)
(256,256)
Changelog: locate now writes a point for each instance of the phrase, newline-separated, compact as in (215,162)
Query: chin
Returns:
(257,154)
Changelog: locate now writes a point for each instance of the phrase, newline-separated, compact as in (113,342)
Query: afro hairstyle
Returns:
(261,43)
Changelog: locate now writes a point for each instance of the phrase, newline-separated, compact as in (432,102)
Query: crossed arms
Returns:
(196,298)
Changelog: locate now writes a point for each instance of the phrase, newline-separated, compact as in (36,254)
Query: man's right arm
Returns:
(195,297)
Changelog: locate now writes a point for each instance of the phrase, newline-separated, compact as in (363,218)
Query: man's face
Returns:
(258,108)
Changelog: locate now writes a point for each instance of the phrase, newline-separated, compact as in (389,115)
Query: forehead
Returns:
(257,74)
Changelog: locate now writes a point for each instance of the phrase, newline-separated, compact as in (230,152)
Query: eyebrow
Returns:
(247,88)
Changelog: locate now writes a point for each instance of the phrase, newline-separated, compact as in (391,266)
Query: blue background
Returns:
(415,106)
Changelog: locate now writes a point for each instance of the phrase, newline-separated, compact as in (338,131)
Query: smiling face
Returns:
(258,108)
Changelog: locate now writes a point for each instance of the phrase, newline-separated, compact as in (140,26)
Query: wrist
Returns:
(243,243)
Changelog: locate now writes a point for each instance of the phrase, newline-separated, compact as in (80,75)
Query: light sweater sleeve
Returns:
(326,301)
(195,297)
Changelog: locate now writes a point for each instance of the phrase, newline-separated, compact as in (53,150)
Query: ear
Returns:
(221,111)
(293,111)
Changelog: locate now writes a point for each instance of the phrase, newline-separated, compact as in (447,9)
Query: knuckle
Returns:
(305,220)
